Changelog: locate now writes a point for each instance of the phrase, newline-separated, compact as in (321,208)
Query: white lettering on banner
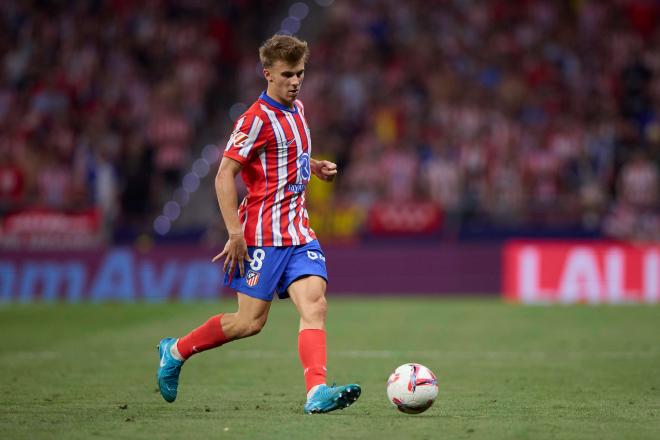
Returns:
(581,278)
(583,273)
(615,273)
(528,276)
(652,277)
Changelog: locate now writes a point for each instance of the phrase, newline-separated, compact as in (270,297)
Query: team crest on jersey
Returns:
(238,138)
(252,278)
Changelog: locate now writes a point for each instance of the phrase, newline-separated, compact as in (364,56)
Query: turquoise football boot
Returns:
(327,399)
(168,370)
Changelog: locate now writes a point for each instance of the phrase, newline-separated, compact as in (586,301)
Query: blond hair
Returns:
(283,47)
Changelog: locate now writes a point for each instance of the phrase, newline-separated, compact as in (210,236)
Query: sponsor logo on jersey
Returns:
(295,187)
(286,143)
(252,278)
(239,138)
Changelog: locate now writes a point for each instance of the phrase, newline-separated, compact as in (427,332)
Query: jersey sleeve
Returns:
(246,138)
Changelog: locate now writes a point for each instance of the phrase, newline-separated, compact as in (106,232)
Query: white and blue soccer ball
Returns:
(412,388)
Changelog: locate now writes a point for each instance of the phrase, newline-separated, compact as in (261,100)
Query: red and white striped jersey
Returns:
(273,144)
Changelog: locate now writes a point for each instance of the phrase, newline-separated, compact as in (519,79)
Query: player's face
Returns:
(284,81)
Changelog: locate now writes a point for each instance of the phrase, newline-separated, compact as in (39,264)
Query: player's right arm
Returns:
(235,251)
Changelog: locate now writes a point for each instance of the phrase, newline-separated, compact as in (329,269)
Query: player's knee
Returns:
(251,328)
(255,327)
(322,306)
(318,309)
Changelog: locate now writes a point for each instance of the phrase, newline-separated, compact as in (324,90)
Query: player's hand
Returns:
(235,253)
(324,170)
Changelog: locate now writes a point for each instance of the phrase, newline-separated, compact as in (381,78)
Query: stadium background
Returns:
(455,130)
(487,150)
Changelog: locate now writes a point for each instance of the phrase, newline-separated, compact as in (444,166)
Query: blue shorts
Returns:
(273,269)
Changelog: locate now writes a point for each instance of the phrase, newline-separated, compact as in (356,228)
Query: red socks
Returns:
(312,351)
(311,347)
(206,336)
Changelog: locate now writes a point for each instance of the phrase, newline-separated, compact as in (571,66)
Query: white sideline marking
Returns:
(410,355)
(439,354)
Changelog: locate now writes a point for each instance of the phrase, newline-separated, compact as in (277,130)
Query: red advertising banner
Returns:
(581,272)
(404,218)
(44,229)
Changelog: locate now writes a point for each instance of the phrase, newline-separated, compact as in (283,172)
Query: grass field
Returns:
(505,371)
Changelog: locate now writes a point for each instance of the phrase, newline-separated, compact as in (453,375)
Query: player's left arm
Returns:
(323,169)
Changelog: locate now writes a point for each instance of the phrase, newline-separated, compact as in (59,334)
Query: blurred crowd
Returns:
(101,102)
(527,114)
(533,113)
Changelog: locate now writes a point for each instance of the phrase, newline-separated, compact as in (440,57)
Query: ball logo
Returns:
(304,166)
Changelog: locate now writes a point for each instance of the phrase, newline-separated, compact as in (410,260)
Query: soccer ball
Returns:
(412,388)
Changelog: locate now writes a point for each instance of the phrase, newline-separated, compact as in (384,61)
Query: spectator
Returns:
(100,94)
(512,115)
(532,107)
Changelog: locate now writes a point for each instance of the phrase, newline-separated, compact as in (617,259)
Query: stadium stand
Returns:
(499,118)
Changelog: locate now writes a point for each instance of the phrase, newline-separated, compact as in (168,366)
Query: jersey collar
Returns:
(272,102)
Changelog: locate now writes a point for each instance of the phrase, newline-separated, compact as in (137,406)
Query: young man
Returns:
(271,248)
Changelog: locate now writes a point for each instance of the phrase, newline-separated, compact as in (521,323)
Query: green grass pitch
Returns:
(505,372)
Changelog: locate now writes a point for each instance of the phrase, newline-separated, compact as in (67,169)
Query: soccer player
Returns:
(271,247)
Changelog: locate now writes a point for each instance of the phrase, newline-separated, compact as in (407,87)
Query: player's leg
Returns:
(225,327)
(305,282)
(218,330)
(257,288)
(248,320)
(308,295)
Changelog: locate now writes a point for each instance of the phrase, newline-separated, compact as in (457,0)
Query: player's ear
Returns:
(268,76)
